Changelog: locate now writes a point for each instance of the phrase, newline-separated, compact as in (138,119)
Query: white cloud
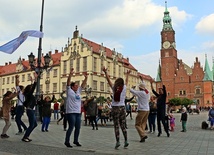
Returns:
(205,25)
(104,22)
(147,63)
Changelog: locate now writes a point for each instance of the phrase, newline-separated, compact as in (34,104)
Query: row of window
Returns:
(27,77)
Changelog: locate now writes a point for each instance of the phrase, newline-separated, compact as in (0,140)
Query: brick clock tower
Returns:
(181,80)
(168,53)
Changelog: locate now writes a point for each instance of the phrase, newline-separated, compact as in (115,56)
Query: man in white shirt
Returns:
(143,110)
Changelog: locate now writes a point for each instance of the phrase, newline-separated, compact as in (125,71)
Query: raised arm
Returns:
(69,77)
(34,84)
(17,80)
(127,76)
(130,99)
(53,97)
(62,96)
(107,77)
(85,80)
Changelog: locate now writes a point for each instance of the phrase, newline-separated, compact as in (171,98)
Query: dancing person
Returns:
(20,107)
(118,106)
(30,103)
(62,111)
(73,108)
(7,98)
(143,110)
(92,110)
(46,112)
(161,109)
(64,104)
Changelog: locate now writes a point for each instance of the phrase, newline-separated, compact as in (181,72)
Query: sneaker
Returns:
(19,133)
(145,137)
(126,144)
(4,136)
(117,145)
(142,140)
(29,139)
(68,145)
(77,143)
(46,130)
(25,140)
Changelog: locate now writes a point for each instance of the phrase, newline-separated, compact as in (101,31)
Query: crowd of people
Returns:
(151,109)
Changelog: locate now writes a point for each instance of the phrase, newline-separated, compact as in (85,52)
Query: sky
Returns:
(132,27)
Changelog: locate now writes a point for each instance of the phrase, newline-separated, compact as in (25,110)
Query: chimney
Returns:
(127,59)
(56,51)
(6,64)
(10,63)
(23,59)
(49,53)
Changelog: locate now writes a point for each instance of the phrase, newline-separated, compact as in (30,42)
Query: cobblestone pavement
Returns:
(94,142)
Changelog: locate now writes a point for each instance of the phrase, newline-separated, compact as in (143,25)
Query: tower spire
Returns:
(166,6)
(208,76)
(158,78)
(167,19)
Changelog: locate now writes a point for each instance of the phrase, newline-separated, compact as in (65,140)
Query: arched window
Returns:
(198,91)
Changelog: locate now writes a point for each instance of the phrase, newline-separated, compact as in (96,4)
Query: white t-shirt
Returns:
(73,102)
(142,99)
(21,97)
(122,98)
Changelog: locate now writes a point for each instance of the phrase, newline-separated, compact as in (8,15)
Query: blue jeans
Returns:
(19,113)
(32,122)
(56,114)
(74,120)
(45,123)
(151,119)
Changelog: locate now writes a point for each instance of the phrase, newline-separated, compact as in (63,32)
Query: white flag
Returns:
(12,45)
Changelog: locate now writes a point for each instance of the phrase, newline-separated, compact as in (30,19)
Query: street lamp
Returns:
(37,66)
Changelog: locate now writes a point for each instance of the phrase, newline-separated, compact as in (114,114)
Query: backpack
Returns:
(204,125)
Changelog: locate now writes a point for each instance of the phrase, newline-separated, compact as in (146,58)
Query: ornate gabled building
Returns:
(180,79)
(86,56)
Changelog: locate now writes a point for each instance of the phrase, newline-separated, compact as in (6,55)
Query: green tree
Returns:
(175,101)
(186,102)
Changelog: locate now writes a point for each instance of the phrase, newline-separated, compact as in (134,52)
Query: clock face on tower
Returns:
(174,45)
(166,44)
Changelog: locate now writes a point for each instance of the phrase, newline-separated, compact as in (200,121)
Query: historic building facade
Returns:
(180,79)
(84,56)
